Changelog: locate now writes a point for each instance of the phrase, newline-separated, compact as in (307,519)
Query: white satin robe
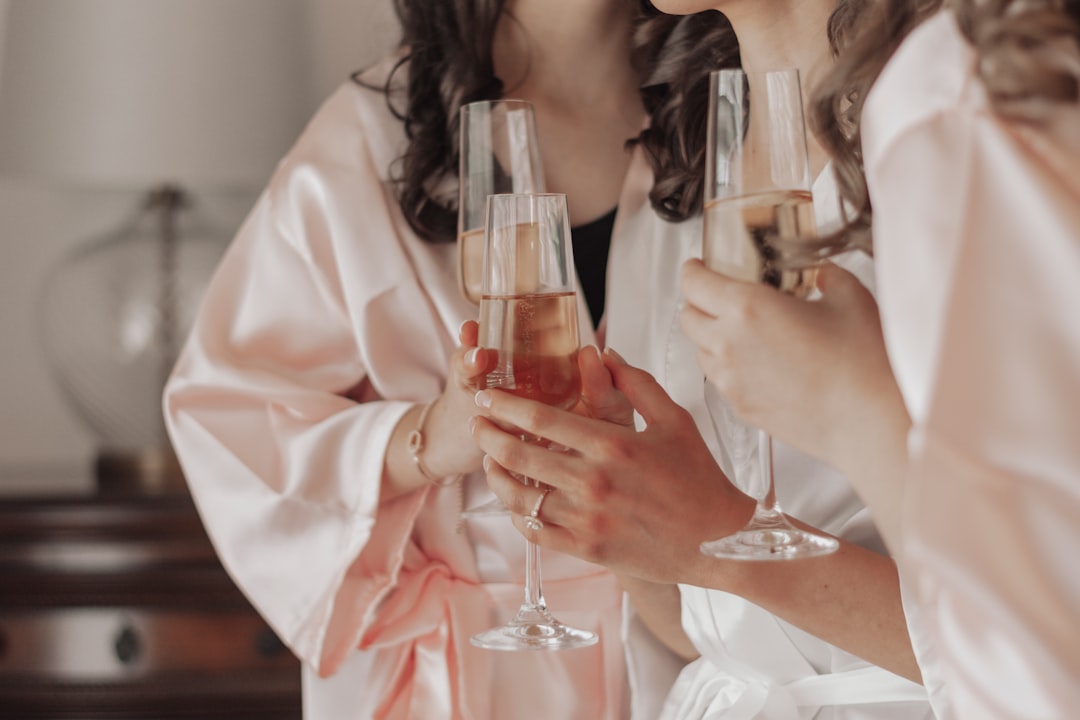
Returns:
(752,664)
(325,322)
(977,237)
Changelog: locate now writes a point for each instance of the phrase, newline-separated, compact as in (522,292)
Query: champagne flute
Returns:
(759,227)
(528,320)
(499,153)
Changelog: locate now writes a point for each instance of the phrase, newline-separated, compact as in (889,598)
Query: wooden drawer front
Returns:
(121,644)
(116,608)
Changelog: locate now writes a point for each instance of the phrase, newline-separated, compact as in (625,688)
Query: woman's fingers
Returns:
(645,394)
(695,324)
(534,418)
(470,361)
(842,290)
(702,288)
(521,499)
(598,393)
(523,457)
(469,333)
(550,536)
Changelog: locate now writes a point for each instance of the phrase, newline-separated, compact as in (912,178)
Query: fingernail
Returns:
(472,424)
(614,355)
(461,327)
(482,399)
(470,357)
(820,281)
(487,463)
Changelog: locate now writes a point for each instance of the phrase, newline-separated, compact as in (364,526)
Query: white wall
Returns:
(38,224)
(347,35)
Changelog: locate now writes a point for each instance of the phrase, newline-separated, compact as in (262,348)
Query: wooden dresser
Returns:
(115,606)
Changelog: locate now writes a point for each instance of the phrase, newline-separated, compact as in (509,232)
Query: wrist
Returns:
(416,444)
(731,513)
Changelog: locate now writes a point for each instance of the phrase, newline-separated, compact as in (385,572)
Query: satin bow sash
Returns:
(751,667)
(731,697)
(421,634)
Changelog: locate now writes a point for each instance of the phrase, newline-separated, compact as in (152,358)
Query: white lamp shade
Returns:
(135,93)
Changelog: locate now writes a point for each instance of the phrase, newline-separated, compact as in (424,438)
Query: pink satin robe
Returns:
(327,319)
(977,237)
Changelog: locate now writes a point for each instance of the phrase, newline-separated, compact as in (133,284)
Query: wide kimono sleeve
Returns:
(312,309)
(977,231)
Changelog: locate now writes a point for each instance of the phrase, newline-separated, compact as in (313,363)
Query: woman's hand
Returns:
(448,447)
(808,372)
(600,399)
(815,374)
(642,503)
(638,502)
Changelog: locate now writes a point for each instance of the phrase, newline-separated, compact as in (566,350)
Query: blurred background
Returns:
(43,219)
(135,135)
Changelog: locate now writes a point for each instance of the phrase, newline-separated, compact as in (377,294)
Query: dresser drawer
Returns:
(116,608)
(119,644)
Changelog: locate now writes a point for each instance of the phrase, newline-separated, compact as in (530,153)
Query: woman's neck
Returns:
(782,35)
(571,59)
(568,53)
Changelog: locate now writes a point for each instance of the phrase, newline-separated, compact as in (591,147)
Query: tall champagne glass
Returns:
(499,153)
(759,227)
(528,319)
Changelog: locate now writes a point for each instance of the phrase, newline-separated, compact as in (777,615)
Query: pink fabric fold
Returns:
(422,633)
(422,638)
(370,578)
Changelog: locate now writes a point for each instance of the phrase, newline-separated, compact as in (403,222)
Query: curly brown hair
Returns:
(447,55)
(683,51)
(1012,40)
(448,58)
(680,52)
(863,34)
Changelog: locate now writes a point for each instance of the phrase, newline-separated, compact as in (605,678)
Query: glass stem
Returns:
(768,503)
(534,594)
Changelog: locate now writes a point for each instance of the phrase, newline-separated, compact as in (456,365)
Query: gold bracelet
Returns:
(415,445)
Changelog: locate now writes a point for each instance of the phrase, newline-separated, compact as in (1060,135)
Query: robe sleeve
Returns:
(979,232)
(282,458)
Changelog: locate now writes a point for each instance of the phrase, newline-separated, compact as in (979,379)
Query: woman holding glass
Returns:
(776,639)
(952,407)
(320,406)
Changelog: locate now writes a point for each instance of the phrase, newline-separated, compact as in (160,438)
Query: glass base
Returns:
(534,629)
(492,508)
(769,536)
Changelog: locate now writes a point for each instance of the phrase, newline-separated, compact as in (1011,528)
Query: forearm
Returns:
(660,608)
(870,449)
(850,599)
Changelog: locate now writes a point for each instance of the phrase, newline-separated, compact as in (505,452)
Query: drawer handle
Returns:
(267,643)
(127,645)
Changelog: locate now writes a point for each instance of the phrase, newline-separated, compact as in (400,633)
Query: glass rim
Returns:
(543,195)
(740,71)
(477,104)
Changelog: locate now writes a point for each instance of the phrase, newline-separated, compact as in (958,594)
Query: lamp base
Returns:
(150,471)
